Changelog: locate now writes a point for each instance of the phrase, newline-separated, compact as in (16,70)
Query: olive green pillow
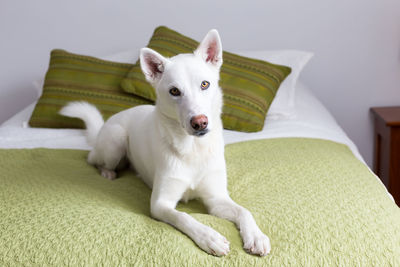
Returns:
(72,77)
(248,85)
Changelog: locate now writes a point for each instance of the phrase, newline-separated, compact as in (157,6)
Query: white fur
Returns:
(89,114)
(162,146)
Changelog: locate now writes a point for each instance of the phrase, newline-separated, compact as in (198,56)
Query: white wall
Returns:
(357,43)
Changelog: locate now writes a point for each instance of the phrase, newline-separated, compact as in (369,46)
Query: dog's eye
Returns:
(204,85)
(175,91)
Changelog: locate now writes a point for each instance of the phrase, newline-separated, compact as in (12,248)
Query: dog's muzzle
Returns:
(199,125)
(200,133)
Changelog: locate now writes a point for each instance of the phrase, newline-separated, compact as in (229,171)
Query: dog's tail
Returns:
(89,114)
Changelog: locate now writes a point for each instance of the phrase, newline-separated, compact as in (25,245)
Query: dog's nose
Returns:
(199,122)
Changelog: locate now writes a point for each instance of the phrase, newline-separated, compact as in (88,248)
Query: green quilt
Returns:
(317,203)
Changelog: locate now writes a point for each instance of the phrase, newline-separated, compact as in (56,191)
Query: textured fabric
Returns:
(248,85)
(317,203)
(72,77)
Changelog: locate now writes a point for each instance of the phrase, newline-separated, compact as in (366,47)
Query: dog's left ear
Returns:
(152,64)
(210,49)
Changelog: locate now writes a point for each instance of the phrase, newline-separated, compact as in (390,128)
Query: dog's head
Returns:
(187,84)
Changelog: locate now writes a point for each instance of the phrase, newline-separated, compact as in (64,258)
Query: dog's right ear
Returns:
(152,64)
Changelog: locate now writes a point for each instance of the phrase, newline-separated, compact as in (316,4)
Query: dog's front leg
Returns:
(254,240)
(165,196)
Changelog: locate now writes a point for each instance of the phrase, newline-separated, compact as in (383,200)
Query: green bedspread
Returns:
(317,203)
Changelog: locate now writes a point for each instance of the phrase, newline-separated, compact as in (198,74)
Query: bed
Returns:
(302,178)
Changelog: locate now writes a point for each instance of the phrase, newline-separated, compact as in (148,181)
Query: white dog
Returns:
(176,146)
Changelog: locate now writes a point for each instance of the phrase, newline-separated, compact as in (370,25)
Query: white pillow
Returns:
(127,56)
(283,103)
(20,119)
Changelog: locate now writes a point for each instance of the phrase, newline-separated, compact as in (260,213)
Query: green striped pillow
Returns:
(72,77)
(249,85)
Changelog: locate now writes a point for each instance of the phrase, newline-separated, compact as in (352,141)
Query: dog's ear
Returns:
(152,64)
(210,49)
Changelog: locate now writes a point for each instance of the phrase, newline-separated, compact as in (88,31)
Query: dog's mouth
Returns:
(200,133)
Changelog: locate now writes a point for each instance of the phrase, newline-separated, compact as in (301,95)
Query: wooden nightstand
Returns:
(387,148)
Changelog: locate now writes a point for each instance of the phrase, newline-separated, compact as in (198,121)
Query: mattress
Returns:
(319,205)
(301,177)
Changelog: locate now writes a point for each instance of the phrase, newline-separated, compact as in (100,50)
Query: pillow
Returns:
(126,56)
(249,85)
(283,104)
(282,107)
(73,77)
(21,118)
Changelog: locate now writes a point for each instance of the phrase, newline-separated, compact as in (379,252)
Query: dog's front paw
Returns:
(257,243)
(212,242)
(110,175)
